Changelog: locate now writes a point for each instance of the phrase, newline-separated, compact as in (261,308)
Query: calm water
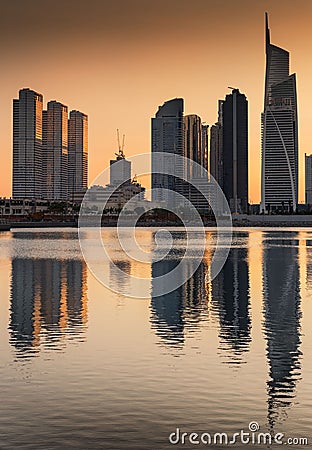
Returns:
(84,368)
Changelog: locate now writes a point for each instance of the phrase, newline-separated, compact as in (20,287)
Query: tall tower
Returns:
(77,152)
(205,146)
(193,148)
(216,156)
(55,151)
(195,151)
(279,124)
(27,145)
(167,138)
(235,150)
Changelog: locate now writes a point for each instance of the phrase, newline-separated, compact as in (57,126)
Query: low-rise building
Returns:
(113,198)
(22,207)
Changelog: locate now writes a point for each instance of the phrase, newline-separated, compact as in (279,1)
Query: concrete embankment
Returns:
(5,227)
(304,220)
(238,221)
(43,225)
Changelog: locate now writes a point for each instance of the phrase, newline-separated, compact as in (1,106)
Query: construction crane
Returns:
(120,153)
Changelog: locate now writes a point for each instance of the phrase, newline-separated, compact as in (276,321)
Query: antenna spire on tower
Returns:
(267,29)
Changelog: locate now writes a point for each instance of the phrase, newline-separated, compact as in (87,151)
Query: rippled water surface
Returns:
(85,368)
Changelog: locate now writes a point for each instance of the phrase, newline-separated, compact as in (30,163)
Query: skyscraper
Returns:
(235,150)
(308,179)
(205,145)
(167,138)
(195,145)
(175,135)
(77,152)
(195,149)
(27,145)
(55,151)
(279,184)
(216,156)
(50,152)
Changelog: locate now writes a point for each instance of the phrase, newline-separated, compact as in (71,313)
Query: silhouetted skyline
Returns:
(117,61)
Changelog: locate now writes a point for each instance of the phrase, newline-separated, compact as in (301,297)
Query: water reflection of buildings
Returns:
(230,296)
(48,301)
(308,243)
(121,277)
(179,312)
(281,321)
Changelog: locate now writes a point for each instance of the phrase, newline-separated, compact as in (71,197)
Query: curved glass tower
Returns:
(279,183)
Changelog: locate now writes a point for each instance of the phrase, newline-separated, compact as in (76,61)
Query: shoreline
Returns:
(244,221)
(25,226)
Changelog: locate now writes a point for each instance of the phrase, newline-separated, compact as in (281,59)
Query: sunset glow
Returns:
(119,62)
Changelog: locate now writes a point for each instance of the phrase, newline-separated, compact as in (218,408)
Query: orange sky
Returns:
(118,61)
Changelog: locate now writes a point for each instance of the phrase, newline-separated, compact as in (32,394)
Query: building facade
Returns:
(77,153)
(120,170)
(55,151)
(216,155)
(235,151)
(22,206)
(27,145)
(279,124)
(167,139)
(308,179)
(121,189)
(193,149)
(205,145)
(115,197)
(195,168)
(195,146)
